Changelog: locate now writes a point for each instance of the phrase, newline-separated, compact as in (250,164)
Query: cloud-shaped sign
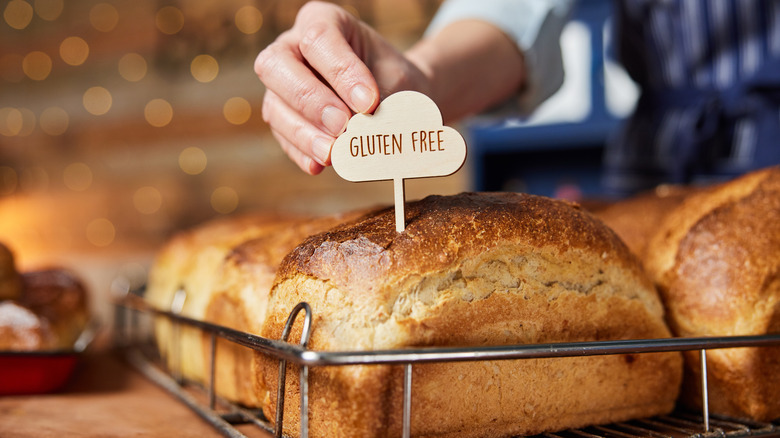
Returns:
(404,138)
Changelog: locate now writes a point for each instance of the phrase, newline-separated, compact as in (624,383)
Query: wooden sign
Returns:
(404,138)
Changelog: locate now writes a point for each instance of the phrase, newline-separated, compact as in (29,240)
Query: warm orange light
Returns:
(49,10)
(249,20)
(36,65)
(169,20)
(132,67)
(158,112)
(77,177)
(204,68)
(147,200)
(237,110)
(101,232)
(54,120)
(18,14)
(11,120)
(192,160)
(74,50)
(28,122)
(224,200)
(104,17)
(97,101)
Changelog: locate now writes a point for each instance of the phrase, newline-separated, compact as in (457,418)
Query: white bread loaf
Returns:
(240,297)
(191,260)
(471,269)
(716,260)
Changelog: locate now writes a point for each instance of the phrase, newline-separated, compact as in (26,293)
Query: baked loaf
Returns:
(23,330)
(636,219)
(241,296)
(190,261)
(471,269)
(716,259)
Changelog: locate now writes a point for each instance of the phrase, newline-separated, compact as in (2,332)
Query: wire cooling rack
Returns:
(223,415)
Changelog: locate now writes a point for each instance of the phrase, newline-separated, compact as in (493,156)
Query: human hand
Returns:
(319,73)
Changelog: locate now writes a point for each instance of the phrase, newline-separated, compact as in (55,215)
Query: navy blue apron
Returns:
(705,120)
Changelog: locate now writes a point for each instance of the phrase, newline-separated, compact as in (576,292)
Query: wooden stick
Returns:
(400,199)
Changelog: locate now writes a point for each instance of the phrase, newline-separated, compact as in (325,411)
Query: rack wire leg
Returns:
(704,396)
(407,420)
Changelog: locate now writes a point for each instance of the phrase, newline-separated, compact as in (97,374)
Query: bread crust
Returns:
(472,269)
(717,263)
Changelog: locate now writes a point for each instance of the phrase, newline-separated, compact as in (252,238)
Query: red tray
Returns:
(35,372)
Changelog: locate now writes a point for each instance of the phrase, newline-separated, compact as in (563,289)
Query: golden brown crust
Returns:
(717,264)
(472,269)
(240,298)
(636,219)
(190,261)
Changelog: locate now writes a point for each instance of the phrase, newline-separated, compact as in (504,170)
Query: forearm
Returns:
(470,66)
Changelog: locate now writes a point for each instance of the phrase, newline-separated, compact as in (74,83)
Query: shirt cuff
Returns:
(534,25)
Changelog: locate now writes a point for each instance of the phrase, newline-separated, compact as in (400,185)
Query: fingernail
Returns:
(334,119)
(320,147)
(362,99)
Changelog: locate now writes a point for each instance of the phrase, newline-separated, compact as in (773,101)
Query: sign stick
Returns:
(400,198)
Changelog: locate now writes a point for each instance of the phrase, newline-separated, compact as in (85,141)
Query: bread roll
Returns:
(59,297)
(471,269)
(191,261)
(241,296)
(716,260)
(23,330)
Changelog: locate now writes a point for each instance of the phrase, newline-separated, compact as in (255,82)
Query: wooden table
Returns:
(106,397)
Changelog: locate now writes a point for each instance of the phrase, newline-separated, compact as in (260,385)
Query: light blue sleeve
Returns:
(534,25)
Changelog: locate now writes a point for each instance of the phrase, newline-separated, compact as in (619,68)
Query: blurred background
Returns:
(122,122)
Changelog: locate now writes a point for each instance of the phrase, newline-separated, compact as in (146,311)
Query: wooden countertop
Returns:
(105,397)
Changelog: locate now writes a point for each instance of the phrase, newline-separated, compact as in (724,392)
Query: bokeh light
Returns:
(36,65)
(77,177)
(28,122)
(192,160)
(54,120)
(237,110)
(158,112)
(10,121)
(147,200)
(49,10)
(101,232)
(132,67)
(18,14)
(74,50)
(104,17)
(249,20)
(11,67)
(169,20)
(204,68)
(97,101)
(224,200)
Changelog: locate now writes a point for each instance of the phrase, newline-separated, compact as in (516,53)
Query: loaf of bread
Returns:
(716,259)
(469,270)
(241,295)
(636,219)
(23,330)
(190,261)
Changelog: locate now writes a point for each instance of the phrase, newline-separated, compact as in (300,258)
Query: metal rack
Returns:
(678,424)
